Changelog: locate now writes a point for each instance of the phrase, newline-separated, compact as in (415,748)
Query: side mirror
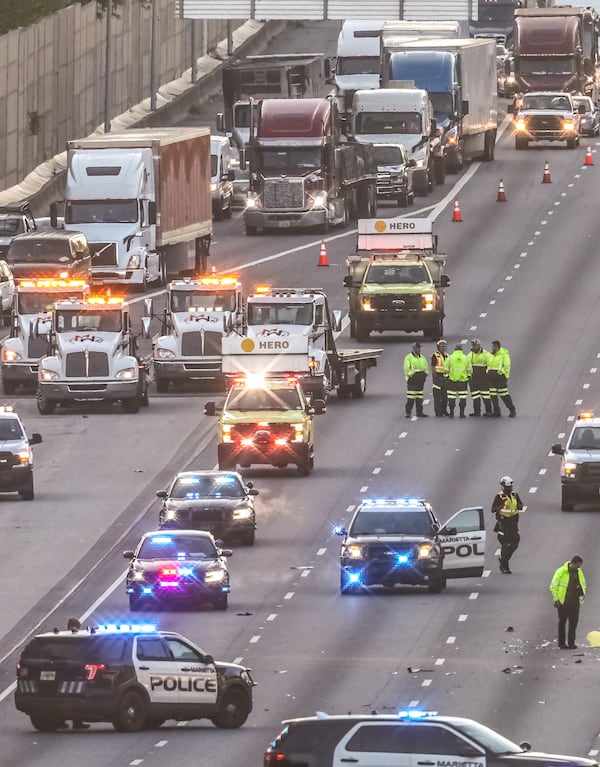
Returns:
(226,552)
(146,327)
(348,281)
(327,68)
(3,277)
(242,159)
(231,175)
(444,280)
(448,531)
(251,491)
(161,494)
(464,107)
(35,439)
(412,163)
(525,746)
(148,307)
(433,127)
(208,659)
(220,120)
(152,213)
(318,406)
(337,320)
(557,449)
(209,408)
(128,554)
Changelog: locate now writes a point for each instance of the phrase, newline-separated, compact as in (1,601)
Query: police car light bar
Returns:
(415,713)
(390,501)
(127,628)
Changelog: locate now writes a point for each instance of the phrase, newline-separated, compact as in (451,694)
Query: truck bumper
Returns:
(408,321)
(582,491)
(260,219)
(384,574)
(391,190)
(105,276)
(87,390)
(192,370)
(271,455)
(15,478)
(20,372)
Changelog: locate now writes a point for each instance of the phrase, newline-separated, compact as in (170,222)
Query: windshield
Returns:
(103,321)
(11,226)
(241,116)
(549,101)
(490,740)
(357,65)
(10,428)
(585,438)
(177,547)
(280,314)
(263,399)
(391,274)
(202,300)
(388,122)
(101,212)
(38,252)
(388,155)
(391,523)
(546,66)
(202,486)
(442,104)
(585,100)
(291,161)
(38,303)
(214,165)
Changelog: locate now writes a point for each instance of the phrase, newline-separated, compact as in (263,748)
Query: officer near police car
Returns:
(507,505)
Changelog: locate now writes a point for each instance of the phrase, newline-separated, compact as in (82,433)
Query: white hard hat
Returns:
(506,481)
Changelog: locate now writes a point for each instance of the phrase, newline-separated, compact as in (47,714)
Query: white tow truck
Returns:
(290,332)
(93,356)
(32,306)
(193,321)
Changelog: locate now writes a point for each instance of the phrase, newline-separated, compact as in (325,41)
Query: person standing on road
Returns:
(568,591)
(438,376)
(416,371)
(478,357)
(498,369)
(507,506)
(458,370)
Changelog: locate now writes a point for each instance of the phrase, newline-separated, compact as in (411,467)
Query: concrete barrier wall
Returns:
(52,75)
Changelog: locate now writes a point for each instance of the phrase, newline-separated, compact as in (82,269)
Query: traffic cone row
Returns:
(501,193)
(589,160)
(323,260)
(456,216)
(546,177)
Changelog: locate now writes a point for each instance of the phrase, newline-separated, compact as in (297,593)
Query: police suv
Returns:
(400,541)
(408,738)
(131,675)
(580,465)
(16,457)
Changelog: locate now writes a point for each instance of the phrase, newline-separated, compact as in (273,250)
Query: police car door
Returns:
(463,543)
(197,679)
(156,669)
(375,744)
(436,745)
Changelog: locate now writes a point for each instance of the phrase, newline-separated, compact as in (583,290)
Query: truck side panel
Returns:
(478,75)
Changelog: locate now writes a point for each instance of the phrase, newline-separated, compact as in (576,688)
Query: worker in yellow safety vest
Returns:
(439,378)
(568,591)
(416,371)
(507,506)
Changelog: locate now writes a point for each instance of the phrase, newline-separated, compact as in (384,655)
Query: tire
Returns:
(352,330)
(162,385)
(228,212)
(9,387)
(343,391)
(218,211)
(233,710)
(359,387)
(27,493)
(249,538)
(250,231)
(489,150)
(436,584)
(571,143)
(145,397)
(421,183)
(134,603)
(521,143)
(566,502)
(226,465)
(46,723)
(439,170)
(45,406)
(346,217)
(362,334)
(131,713)
(305,468)
(403,200)
(221,602)
(132,405)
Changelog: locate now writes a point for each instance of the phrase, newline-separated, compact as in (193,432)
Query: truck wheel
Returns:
(421,183)
(45,406)
(359,387)
(571,143)
(436,583)
(9,387)
(521,142)
(343,391)
(489,146)
(162,385)
(26,493)
(566,503)
(305,468)
(145,397)
(132,405)
(218,211)
(439,170)
(403,200)
(131,713)
(46,723)
(352,331)
(362,333)
(233,710)
(221,602)
(249,538)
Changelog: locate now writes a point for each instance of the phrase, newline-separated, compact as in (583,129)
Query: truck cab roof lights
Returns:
(261,290)
(586,415)
(105,300)
(45,284)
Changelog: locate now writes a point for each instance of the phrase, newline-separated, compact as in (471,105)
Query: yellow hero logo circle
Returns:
(247,345)
(380,226)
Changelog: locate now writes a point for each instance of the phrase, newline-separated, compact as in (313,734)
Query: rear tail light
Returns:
(91,669)
(272,758)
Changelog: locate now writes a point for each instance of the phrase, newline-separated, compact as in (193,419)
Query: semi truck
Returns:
(395,33)
(396,279)
(290,332)
(302,75)
(32,307)
(401,116)
(460,77)
(302,171)
(92,355)
(556,49)
(188,347)
(142,197)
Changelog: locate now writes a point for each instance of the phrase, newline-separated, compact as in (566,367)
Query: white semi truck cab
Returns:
(32,306)
(194,318)
(94,356)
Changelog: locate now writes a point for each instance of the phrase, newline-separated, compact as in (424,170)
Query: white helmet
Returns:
(506,482)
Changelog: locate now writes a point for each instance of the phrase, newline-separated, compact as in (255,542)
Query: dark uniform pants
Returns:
(414,391)
(569,612)
(440,394)
(499,390)
(457,390)
(509,543)
(480,391)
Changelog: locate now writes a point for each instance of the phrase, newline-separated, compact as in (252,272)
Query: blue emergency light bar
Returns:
(127,628)
(391,501)
(158,539)
(415,713)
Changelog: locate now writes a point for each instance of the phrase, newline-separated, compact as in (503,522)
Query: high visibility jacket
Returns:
(500,362)
(478,359)
(458,367)
(560,581)
(510,507)
(438,361)
(413,363)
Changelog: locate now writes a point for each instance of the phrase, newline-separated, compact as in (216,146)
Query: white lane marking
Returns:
(561,435)
(10,689)
(440,661)
(593,752)
(593,370)
(486,573)
(413,704)
(508,277)
(463,340)
(497,553)
(350,508)
(320,552)
(517,266)
(542,472)
(102,597)
(570,418)
(537,233)
(473,595)
(135,762)
(564,194)
(550,454)
(492,302)
(451,640)
(556,203)
(500,290)
(530,242)
(402,435)
(376,470)
(289,595)
(473,327)
(533,490)
(483,315)
(586,386)
(271,617)
(254,639)
(523,254)
(426,682)
(578,401)
(238,660)
(570,185)
(305,573)
(577,175)
(363,489)
(182,723)
(161,743)
(389,452)
(462,618)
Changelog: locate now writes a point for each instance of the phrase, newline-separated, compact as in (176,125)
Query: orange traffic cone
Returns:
(501,193)
(456,212)
(589,160)
(323,260)
(546,177)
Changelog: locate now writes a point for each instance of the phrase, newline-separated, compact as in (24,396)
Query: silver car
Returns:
(589,121)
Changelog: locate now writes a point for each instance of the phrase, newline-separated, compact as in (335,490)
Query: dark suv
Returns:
(131,675)
(400,541)
(217,501)
(61,253)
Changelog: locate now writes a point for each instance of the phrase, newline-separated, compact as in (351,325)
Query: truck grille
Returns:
(7,460)
(201,343)
(103,253)
(283,193)
(96,366)
(545,123)
(204,519)
(385,552)
(589,471)
(37,347)
(271,430)
(397,302)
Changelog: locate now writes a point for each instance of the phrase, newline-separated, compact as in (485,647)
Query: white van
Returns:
(221,176)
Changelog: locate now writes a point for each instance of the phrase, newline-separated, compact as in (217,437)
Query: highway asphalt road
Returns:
(525,272)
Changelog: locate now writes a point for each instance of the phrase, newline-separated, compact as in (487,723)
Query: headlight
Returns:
(128,374)
(134,261)
(366,305)
(47,375)
(9,355)
(298,432)
(318,200)
(242,513)
(24,456)
(520,125)
(428,302)
(570,468)
(510,79)
(426,551)
(214,576)
(568,125)
(214,187)
(138,575)
(253,200)
(163,354)
(353,551)
(226,430)
(171,513)
(420,163)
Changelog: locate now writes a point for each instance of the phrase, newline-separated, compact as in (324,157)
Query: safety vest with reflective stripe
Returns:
(458,367)
(509,509)
(414,363)
(478,359)
(500,362)
(439,364)
(560,581)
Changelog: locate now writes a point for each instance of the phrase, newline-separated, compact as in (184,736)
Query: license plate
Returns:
(283,224)
(47,676)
